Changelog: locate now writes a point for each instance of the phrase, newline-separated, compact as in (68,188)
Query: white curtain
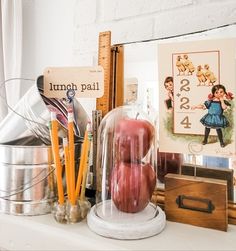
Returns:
(10,51)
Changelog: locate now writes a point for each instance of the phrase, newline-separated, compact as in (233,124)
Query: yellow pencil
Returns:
(71,156)
(86,161)
(56,155)
(81,165)
(67,164)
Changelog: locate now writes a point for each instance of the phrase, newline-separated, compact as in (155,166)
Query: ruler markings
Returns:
(104,59)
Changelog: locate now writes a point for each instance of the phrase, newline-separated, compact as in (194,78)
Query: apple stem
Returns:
(137,115)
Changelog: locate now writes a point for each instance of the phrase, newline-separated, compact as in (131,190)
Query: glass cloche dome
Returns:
(126,177)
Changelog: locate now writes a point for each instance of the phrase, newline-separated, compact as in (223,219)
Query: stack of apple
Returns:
(132,180)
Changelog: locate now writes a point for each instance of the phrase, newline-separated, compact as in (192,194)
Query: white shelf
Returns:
(43,233)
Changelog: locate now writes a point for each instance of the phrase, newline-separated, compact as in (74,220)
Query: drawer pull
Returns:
(195,204)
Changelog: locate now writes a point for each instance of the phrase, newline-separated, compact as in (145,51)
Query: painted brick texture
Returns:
(138,20)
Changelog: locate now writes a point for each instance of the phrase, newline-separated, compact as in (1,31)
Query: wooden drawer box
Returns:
(213,173)
(196,201)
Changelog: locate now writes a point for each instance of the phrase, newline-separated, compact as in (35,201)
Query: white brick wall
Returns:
(116,10)
(137,20)
(86,11)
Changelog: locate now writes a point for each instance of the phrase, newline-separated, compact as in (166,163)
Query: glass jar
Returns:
(126,177)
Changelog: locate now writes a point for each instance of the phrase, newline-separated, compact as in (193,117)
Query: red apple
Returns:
(132,185)
(133,138)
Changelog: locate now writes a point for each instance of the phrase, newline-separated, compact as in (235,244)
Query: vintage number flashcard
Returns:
(197,106)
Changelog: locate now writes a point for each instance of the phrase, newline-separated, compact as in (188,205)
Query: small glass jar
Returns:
(126,177)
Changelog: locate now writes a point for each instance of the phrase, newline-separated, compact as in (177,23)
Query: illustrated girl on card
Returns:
(216,104)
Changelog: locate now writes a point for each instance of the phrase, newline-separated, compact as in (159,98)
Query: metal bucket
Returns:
(31,115)
(27,181)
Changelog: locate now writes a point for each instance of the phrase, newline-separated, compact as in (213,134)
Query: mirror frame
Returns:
(158,196)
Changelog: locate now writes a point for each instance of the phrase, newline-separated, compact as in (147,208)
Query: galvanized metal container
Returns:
(27,181)
(26,169)
(31,115)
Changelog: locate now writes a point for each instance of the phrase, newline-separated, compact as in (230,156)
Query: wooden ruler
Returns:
(111,58)
(104,59)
